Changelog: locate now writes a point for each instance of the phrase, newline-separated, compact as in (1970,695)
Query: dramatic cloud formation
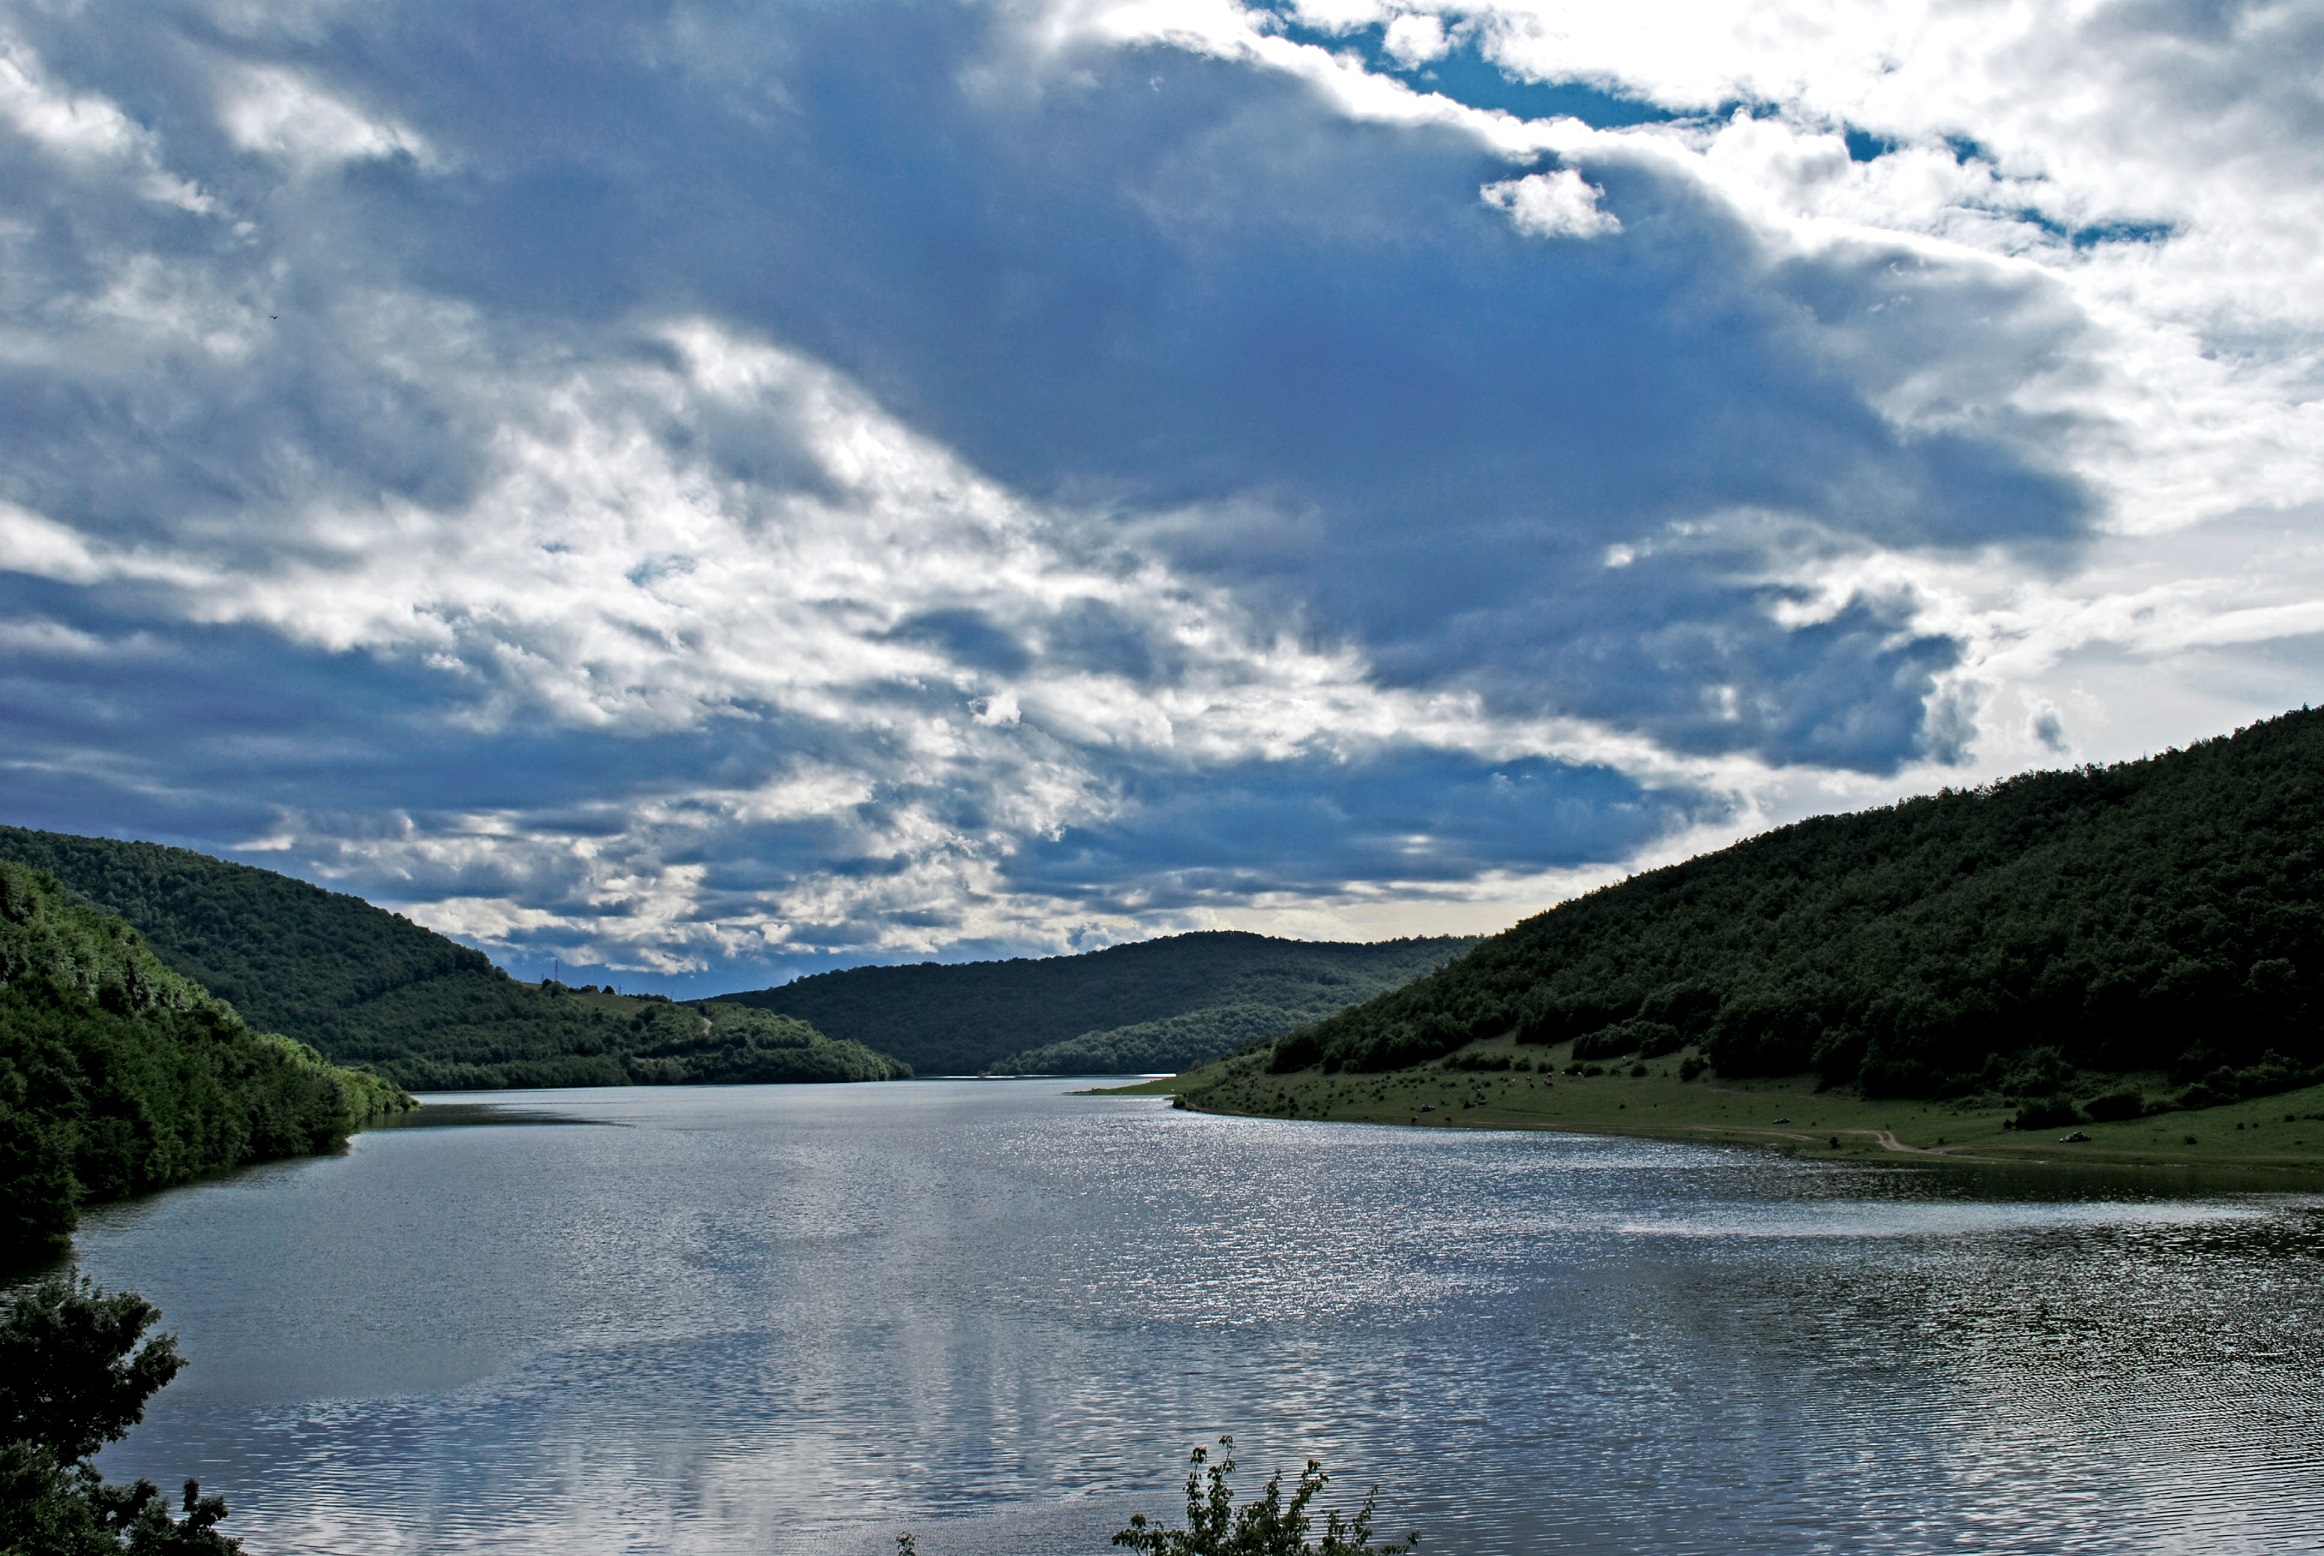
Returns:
(713,491)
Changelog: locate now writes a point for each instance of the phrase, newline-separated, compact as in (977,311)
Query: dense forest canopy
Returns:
(367,986)
(718,1043)
(119,1075)
(2164,914)
(1099,1011)
(1175,1043)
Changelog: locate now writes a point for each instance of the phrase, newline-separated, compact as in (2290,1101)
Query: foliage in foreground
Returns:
(76,1369)
(1269,1526)
(2164,915)
(118,1076)
(1273,1525)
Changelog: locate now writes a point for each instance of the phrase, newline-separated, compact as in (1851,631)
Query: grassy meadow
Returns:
(2280,1135)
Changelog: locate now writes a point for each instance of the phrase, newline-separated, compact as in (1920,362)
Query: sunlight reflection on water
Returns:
(805,1319)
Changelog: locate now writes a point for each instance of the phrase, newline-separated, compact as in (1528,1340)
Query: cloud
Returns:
(1559,204)
(1414,40)
(85,130)
(32,544)
(279,114)
(728,490)
(1401,816)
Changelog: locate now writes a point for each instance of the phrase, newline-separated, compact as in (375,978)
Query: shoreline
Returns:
(2277,1139)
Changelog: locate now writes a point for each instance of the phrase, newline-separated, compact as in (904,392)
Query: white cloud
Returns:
(44,548)
(603,576)
(1415,40)
(86,128)
(279,113)
(652,528)
(2152,186)
(1560,204)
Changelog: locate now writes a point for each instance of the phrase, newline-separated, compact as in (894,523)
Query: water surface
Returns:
(775,1319)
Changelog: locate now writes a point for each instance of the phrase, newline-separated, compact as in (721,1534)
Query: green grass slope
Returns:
(1068,1014)
(367,986)
(2031,943)
(119,1076)
(2275,1141)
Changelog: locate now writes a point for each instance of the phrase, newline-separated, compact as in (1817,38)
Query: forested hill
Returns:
(290,956)
(2158,915)
(367,986)
(118,1075)
(1156,1004)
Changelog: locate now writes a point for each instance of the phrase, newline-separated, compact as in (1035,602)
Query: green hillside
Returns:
(119,1076)
(1169,1045)
(2032,939)
(367,986)
(1156,1004)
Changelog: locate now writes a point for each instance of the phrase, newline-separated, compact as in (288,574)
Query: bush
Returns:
(2114,1107)
(1640,1036)
(76,1369)
(1269,1526)
(2048,1113)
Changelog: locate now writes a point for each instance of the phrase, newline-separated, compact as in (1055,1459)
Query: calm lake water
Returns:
(774,1319)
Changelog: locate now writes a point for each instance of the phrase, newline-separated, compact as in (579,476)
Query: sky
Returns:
(699,493)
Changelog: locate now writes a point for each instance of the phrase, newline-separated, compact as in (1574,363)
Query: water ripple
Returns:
(805,1319)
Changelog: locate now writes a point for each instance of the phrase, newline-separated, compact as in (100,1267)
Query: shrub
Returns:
(2048,1113)
(2114,1107)
(1640,1036)
(1269,1526)
(76,1369)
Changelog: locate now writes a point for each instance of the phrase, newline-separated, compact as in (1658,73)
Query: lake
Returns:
(775,1319)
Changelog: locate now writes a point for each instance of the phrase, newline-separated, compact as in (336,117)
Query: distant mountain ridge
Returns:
(367,986)
(1152,1004)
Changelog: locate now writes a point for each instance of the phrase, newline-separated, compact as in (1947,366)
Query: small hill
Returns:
(1158,1004)
(119,1076)
(367,986)
(2164,916)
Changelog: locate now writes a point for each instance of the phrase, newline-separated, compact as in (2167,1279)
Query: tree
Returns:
(76,1368)
(1269,1526)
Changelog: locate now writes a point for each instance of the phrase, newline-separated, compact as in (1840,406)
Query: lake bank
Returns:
(2279,1138)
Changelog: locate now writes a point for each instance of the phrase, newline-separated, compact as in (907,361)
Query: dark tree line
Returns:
(1061,1013)
(2164,914)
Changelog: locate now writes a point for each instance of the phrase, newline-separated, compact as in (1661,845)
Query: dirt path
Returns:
(1889,1142)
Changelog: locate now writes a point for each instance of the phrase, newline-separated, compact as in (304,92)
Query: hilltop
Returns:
(2095,943)
(366,986)
(119,1076)
(1154,1005)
